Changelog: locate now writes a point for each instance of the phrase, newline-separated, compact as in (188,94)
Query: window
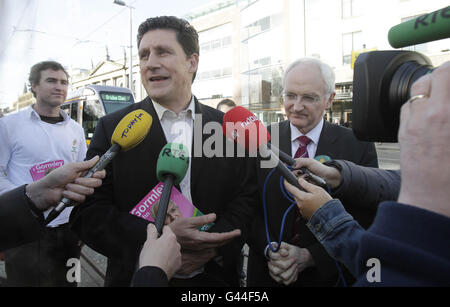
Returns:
(350,42)
(216,73)
(205,46)
(262,62)
(258,26)
(66,108)
(92,111)
(215,44)
(74,111)
(352,8)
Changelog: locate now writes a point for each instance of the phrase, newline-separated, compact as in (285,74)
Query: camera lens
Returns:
(404,77)
(382,83)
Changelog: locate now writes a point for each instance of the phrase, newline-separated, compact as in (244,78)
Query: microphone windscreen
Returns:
(132,129)
(174,160)
(244,128)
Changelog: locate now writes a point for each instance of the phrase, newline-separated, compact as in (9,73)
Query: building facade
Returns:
(245,46)
(267,35)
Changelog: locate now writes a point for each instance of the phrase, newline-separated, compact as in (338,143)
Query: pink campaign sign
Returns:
(40,170)
(144,208)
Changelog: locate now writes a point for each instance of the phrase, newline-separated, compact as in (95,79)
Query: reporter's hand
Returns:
(191,238)
(424,137)
(331,175)
(65,181)
(311,200)
(286,264)
(162,252)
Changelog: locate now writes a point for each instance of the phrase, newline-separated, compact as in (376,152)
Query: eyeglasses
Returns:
(305,98)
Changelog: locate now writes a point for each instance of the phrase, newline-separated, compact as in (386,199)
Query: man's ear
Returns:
(193,62)
(329,102)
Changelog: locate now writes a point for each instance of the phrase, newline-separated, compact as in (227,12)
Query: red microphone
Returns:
(245,129)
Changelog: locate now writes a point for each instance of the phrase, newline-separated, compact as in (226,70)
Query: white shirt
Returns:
(313,135)
(179,129)
(29,146)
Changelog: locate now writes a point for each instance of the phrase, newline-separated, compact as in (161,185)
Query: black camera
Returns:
(381,85)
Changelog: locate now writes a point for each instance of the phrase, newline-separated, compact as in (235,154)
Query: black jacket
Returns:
(18,224)
(150,276)
(221,185)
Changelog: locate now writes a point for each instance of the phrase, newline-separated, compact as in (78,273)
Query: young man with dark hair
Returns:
(168,53)
(35,72)
(34,140)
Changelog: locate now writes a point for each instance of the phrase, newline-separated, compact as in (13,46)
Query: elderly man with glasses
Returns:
(301,261)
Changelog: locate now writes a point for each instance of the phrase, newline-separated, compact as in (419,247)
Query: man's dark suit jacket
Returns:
(18,225)
(336,142)
(221,185)
(150,276)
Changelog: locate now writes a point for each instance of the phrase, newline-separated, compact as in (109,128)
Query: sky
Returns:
(75,33)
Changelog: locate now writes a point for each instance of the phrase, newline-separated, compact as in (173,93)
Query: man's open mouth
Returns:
(158,78)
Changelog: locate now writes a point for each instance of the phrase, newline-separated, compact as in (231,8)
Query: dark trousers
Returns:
(43,263)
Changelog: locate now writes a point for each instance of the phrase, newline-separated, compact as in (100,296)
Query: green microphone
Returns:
(426,28)
(172,165)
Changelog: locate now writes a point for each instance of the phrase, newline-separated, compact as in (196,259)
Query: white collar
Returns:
(313,135)
(31,112)
(161,110)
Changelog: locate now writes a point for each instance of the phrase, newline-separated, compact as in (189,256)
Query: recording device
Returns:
(291,162)
(172,165)
(382,80)
(382,83)
(129,133)
(244,128)
(425,28)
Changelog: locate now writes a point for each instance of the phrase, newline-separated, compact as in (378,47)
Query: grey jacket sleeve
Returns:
(366,185)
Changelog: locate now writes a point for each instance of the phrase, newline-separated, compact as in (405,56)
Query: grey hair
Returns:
(327,72)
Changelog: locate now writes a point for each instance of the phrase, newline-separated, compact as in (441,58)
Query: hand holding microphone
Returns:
(172,165)
(310,201)
(163,252)
(301,169)
(130,132)
(64,181)
(330,175)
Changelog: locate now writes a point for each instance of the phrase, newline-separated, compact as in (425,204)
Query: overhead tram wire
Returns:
(14,28)
(106,22)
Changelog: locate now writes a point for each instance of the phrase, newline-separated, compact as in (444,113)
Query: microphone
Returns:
(317,180)
(426,28)
(172,165)
(129,133)
(244,128)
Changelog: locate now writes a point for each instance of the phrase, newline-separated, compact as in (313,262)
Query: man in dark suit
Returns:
(223,188)
(308,92)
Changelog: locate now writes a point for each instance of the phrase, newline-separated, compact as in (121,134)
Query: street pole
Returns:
(131,51)
(130,76)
